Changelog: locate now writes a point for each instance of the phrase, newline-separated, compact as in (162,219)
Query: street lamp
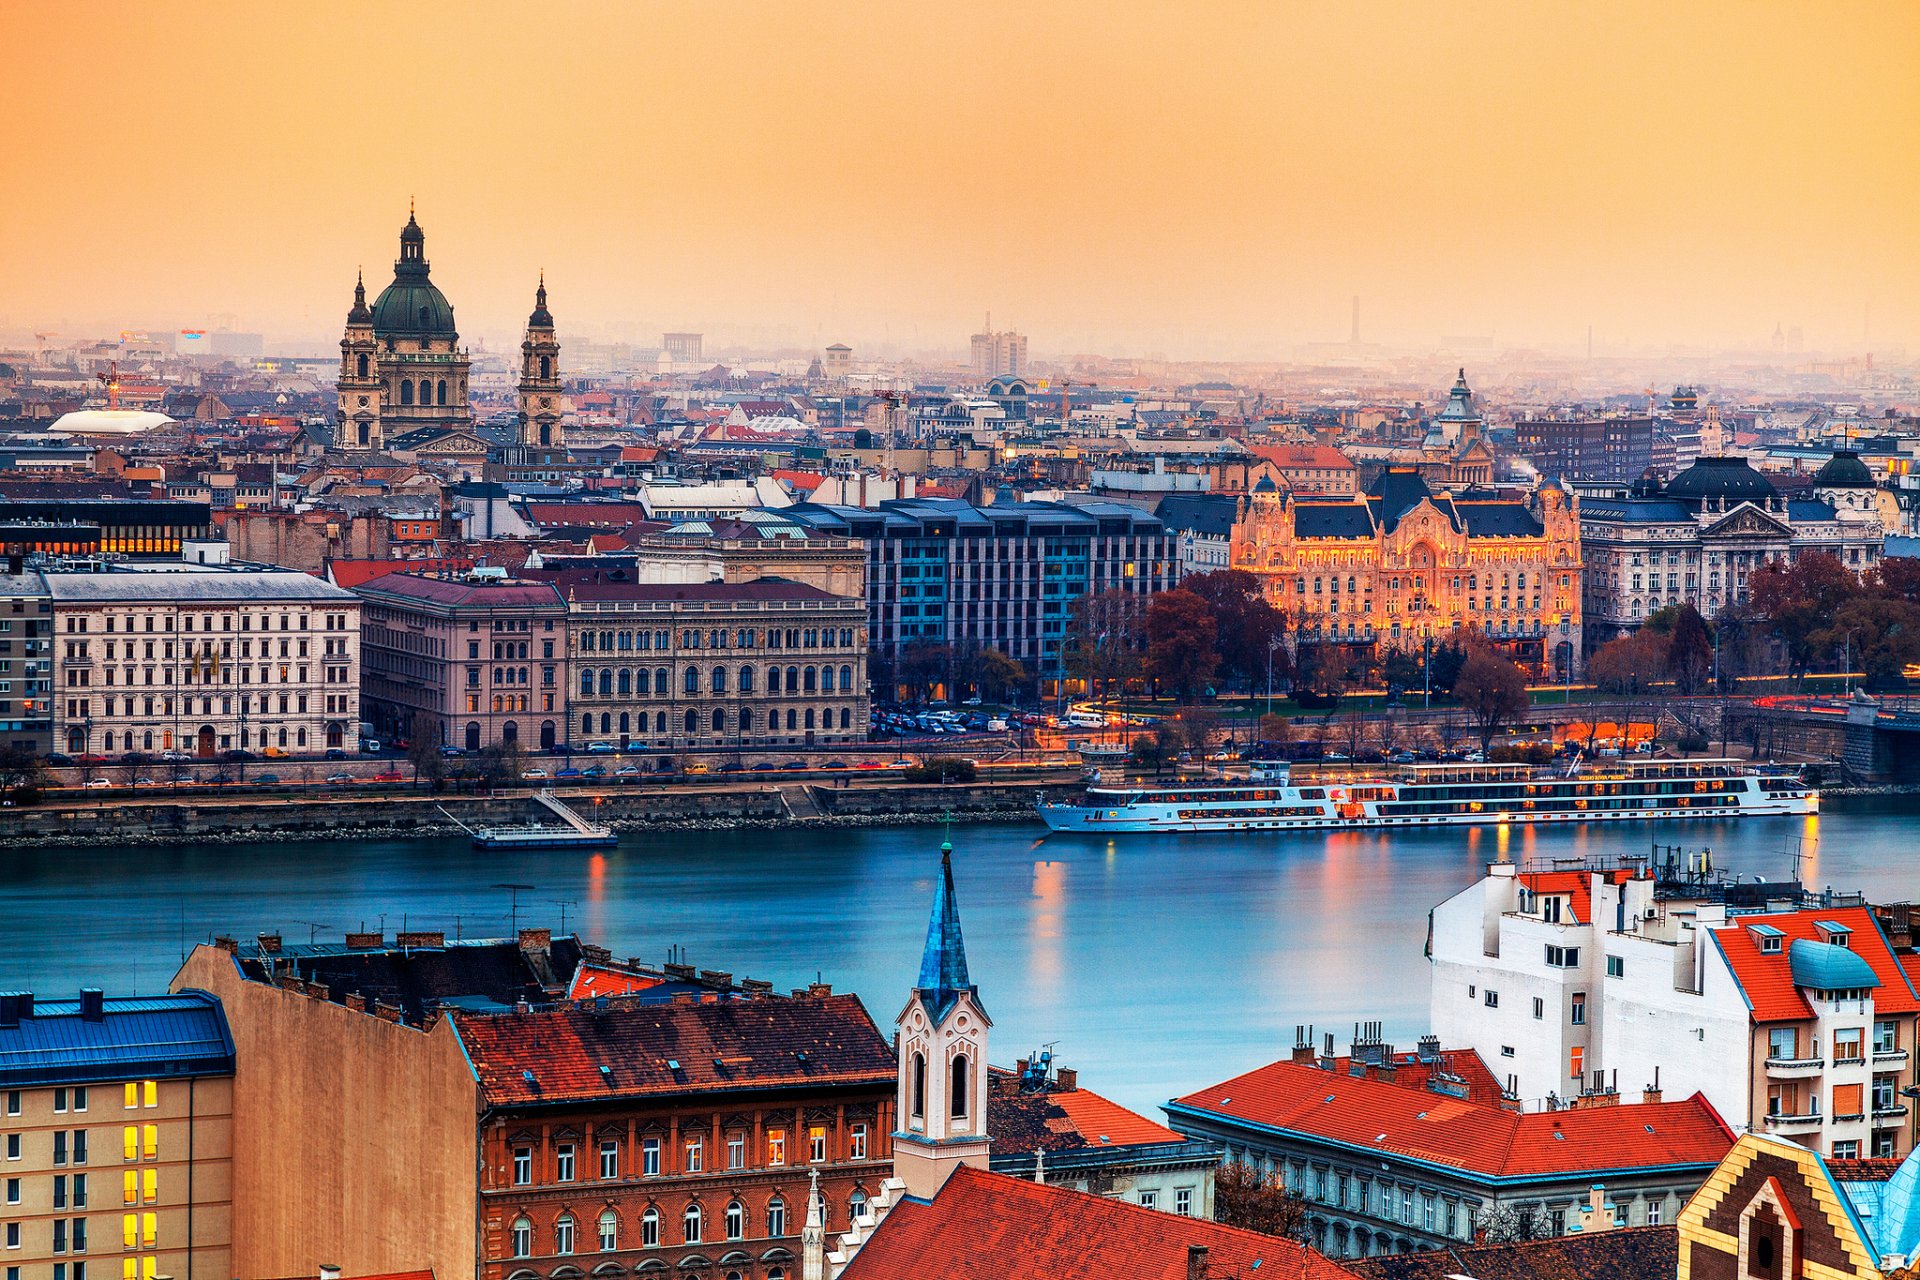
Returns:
(1846,658)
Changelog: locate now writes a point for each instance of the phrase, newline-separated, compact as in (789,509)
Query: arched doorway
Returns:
(473,735)
(336,736)
(203,743)
(509,733)
(546,735)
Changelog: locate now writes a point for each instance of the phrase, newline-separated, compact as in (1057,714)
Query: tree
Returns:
(1689,652)
(1196,726)
(19,768)
(1493,692)
(1512,1223)
(1105,640)
(1882,635)
(423,753)
(998,674)
(1152,751)
(1277,729)
(1799,599)
(1247,625)
(923,664)
(1247,1198)
(1401,672)
(1897,577)
(1180,642)
(1443,667)
(1628,664)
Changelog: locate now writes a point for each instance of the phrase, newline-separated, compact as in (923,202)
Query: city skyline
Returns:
(1148,182)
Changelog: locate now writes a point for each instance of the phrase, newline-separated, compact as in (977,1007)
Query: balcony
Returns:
(1795,1068)
(1888,1113)
(1796,1123)
(1889,1057)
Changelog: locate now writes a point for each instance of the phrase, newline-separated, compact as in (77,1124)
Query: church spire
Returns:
(541,317)
(943,962)
(813,1237)
(360,314)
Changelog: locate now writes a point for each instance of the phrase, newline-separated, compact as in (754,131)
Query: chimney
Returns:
(9,1010)
(1326,1054)
(819,989)
(329,1271)
(1020,1067)
(364,941)
(536,939)
(26,1004)
(93,1004)
(434,939)
(1302,1044)
(1066,1079)
(1197,1268)
(1652,1092)
(270,943)
(229,945)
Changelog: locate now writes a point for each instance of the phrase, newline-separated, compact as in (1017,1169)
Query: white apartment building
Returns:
(203,661)
(1793,1017)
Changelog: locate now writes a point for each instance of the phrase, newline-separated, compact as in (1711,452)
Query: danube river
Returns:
(1153,964)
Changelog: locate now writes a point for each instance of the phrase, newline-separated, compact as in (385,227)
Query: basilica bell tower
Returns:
(359,385)
(540,377)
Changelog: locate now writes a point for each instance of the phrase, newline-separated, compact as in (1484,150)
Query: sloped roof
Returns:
(1624,1253)
(460,592)
(1067,1120)
(1456,1133)
(1767,981)
(161,1037)
(1332,520)
(1576,885)
(1209,515)
(988,1226)
(580,1053)
(1498,519)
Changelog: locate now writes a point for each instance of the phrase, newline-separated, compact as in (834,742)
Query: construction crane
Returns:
(111,381)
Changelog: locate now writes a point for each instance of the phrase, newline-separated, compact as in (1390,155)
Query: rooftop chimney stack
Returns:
(329,1271)
(93,1004)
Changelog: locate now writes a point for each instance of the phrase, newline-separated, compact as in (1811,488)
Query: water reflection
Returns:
(1159,964)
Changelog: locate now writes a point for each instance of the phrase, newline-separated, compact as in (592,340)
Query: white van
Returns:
(1085,720)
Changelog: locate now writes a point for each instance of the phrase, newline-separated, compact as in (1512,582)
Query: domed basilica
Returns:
(403,370)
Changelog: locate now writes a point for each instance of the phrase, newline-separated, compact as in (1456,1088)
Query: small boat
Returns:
(573,832)
(1441,796)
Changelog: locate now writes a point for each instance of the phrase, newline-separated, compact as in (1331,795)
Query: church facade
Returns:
(404,374)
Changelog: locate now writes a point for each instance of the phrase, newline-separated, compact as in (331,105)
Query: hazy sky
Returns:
(1193,178)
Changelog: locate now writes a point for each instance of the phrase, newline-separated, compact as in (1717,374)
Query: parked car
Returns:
(449,752)
(145,782)
(594,771)
(339,779)
(389,775)
(602,749)
(627,771)
(267,779)
(335,753)
(765,766)
(98,784)
(534,774)
(57,760)
(219,780)
(569,773)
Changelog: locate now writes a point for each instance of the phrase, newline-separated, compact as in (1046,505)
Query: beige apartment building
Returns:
(117,1123)
(203,661)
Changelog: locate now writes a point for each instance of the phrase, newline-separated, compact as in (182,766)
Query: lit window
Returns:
(776,1146)
(151,1090)
(816,1145)
(150,1141)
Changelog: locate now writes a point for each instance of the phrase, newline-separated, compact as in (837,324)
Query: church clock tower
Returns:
(941,1043)
(359,384)
(540,377)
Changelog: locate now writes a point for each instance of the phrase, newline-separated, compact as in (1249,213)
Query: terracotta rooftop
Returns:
(989,1226)
(580,1052)
(1066,1120)
(1575,885)
(1457,1133)
(1626,1253)
(1767,979)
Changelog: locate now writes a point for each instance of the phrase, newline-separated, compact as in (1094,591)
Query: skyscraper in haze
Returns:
(997,354)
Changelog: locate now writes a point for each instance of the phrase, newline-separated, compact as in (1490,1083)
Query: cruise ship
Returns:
(1444,795)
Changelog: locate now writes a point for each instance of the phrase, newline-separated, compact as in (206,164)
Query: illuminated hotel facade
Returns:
(1399,565)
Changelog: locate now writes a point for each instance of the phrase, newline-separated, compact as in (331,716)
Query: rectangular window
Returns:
(59,1102)
(130,1187)
(609,1159)
(1563,957)
(1616,967)
(695,1154)
(1576,1062)
(1492,998)
(1783,1044)
(1539,1008)
(1183,1201)
(80,1098)
(776,1146)
(1886,1038)
(650,1157)
(1653,1213)
(1149,1199)
(736,1151)
(1578,1014)
(130,1142)
(13,1191)
(132,1095)
(522,1166)
(150,1090)
(13,1102)
(857,1142)
(150,1141)
(79,1146)
(149,1229)
(563,1162)
(1846,1101)
(1847,1044)
(816,1145)
(1849,1150)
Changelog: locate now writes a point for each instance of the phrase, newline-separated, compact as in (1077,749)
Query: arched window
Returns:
(917,1106)
(719,681)
(961,1078)
(719,720)
(660,722)
(690,1224)
(362,366)
(641,683)
(691,680)
(606,682)
(660,681)
(773,679)
(746,719)
(776,1218)
(846,679)
(426,391)
(793,679)
(793,719)
(626,682)
(546,366)
(856,1205)
(650,1228)
(606,722)
(625,723)
(809,717)
(522,1238)
(736,1220)
(610,1231)
(406,393)
(746,679)
(693,721)
(440,392)
(826,679)
(563,1234)
(808,681)
(586,723)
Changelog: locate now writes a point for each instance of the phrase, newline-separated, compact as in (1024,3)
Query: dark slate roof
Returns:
(1625,1253)
(418,979)
(1844,470)
(1809,510)
(1499,520)
(593,1051)
(1729,478)
(943,962)
(143,1037)
(1332,520)
(1209,515)
(1635,510)
(1398,491)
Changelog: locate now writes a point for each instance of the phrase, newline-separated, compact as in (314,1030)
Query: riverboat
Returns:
(1443,795)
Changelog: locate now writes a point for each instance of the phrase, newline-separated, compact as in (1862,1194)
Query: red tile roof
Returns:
(988,1226)
(1767,980)
(593,980)
(1457,1133)
(351,573)
(557,1055)
(1066,1120)
(1577,885)
(1303,457)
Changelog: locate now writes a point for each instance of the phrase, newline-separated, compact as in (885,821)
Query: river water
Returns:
(1153,964)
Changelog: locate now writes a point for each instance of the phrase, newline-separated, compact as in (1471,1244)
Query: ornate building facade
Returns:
(401,363)
(1698,538)
(1401,565)
(540,398)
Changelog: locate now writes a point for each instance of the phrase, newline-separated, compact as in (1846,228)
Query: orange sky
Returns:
(1190,178)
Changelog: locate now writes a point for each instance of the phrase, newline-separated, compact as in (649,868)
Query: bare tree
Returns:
(1245,1197)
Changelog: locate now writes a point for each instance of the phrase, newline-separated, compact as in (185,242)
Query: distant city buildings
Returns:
(1616,449)
(999,354)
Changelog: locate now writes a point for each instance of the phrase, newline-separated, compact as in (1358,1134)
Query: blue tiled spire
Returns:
(943,965)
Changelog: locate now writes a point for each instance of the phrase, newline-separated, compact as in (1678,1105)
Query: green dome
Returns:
(411,306)
(1844,470)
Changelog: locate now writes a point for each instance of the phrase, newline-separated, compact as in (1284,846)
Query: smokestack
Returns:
(93,1005)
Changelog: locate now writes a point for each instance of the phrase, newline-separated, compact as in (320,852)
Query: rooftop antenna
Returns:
(513,916)
(313,930)
(563,904)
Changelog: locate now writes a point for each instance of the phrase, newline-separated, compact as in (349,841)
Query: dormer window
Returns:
(1768,940)
(1832,931)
